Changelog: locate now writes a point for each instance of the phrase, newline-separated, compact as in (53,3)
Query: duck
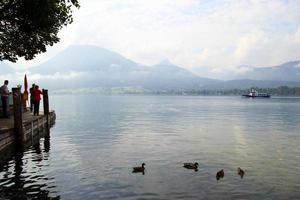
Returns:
(220,174)
(240,172)
(193,166)
(139,169)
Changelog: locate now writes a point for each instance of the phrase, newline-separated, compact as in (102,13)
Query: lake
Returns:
(98,139)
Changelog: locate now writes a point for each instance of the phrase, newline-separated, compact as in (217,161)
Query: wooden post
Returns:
(18,121)
(46,106)
(46,102)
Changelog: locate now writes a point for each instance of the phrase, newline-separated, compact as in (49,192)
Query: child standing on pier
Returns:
(36,96)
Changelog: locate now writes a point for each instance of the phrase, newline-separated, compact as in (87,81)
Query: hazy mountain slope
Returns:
(85,58)
(289,71)
(167,76)
(93,67)
(90,66)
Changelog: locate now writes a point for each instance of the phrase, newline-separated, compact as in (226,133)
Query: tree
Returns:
(28,26)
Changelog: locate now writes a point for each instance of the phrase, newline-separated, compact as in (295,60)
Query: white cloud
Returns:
(251,42)
(188,32)
(297,36)
(56,76)
(18,77)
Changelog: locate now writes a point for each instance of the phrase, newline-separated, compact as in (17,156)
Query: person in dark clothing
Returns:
(31,97)
(4,98)
(36,93)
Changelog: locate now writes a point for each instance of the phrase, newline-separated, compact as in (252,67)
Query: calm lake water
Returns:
(98,139)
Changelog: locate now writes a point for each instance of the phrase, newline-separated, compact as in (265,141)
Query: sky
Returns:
(218,34)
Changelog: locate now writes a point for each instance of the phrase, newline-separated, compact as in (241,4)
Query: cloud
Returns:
(57,76)
(18,77)
(297,36)
(220,34)
(248,46)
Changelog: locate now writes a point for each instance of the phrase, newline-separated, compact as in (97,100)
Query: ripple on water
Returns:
(97,140)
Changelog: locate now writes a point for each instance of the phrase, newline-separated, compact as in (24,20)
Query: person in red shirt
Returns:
(36,96)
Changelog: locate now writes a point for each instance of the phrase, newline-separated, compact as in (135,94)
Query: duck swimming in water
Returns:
(240,172)
(193,166)
(140,169)
(220,174)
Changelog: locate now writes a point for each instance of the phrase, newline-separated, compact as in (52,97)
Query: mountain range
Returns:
(84,66)
(289,71)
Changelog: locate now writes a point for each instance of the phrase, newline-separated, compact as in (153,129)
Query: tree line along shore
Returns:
(279,91)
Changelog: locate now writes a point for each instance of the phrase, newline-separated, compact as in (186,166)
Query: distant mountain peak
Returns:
(84,58)
(165,62)
(288,71)
(292,64)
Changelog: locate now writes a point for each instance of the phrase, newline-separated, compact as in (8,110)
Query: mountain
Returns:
(85,58)
(90,66)
(5,68)
(289,71)
(85,66)
(168,76)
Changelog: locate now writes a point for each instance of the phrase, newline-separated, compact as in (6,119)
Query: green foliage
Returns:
(28,26)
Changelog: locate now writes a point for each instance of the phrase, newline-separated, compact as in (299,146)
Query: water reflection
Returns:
(97,140)
(22,174)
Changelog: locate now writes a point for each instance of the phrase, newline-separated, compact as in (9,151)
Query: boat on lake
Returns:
(255,94)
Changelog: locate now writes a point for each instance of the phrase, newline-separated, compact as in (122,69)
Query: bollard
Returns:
(18,121)
(46,106)
(46,102)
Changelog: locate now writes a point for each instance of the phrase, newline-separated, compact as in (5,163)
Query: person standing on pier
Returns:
(31,97)
(36,95)
(4,98)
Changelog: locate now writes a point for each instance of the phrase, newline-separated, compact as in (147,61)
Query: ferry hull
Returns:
(256,96)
